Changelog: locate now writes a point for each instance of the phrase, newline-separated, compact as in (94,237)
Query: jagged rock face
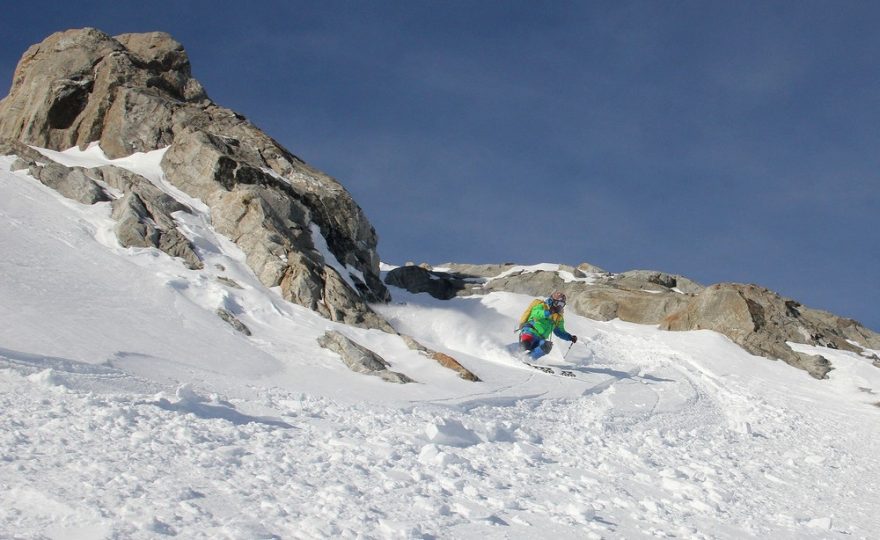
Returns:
(762,321)
(135,93)
(81,86)
(144,217)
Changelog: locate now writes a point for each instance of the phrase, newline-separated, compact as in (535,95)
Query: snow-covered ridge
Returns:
(145,415)
(566,275)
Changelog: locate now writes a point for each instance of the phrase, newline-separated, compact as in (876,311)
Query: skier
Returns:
(539,320)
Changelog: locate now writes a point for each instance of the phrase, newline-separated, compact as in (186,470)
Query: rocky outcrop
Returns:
(641,296)
(604,303)
(762,322)
(416,279)
(143,213)
(299,228)
(759,320)
(73,182)
(26,154)
(81,86)
(652,281)
(360,359)
(144,216)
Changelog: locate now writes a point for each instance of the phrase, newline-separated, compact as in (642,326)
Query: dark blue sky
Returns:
(725,141)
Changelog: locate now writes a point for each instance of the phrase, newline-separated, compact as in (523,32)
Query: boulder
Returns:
(604,303)
(628,299)
(538,284)
(72,182)
(159,205)
(233,321)
(598,301)
(360,359)
(415,279)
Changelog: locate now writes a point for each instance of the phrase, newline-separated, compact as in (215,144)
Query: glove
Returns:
(574,339)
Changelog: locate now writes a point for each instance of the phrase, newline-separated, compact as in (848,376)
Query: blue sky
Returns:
(725,141)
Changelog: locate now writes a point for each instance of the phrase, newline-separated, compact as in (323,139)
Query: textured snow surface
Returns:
(128,409)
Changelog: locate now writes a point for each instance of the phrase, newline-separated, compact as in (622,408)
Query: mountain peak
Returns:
(135,93)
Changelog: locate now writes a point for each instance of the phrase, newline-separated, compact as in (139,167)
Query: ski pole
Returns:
(566,352)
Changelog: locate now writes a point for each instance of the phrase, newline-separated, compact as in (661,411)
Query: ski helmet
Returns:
(557,299)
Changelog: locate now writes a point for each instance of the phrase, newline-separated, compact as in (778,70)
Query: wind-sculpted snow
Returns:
(131,410)
(680,455)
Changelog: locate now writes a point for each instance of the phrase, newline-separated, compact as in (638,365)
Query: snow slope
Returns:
(130,410)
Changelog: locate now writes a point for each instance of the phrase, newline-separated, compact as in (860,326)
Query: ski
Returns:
(550,371)
(516,353)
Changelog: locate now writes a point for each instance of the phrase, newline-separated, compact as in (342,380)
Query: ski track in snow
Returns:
(662,434)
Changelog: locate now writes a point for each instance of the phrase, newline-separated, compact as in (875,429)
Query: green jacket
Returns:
(541,322)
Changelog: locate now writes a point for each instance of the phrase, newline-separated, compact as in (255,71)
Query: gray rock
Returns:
(415,279)
(233,321)
(174,243)
(143,220)
(159,204)
(51,87)
(163,56)
(21,164)
(252,217)
(122,137)
(236,156)
(9,147)
(360,359)
(72,182)
(132,226)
